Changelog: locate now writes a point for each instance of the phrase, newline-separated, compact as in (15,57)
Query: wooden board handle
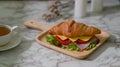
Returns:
(35,25)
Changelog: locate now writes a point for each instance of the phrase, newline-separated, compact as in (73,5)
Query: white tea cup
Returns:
(6,33)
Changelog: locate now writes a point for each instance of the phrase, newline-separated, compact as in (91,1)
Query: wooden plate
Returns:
(77,54)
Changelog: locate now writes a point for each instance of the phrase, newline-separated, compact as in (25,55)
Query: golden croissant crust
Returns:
(72,29)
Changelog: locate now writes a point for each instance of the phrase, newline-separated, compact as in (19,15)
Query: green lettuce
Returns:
(93,44)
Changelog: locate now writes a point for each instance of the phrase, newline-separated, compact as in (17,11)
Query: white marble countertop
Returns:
(30,54)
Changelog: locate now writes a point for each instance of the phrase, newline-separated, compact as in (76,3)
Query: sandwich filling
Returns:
(77,44)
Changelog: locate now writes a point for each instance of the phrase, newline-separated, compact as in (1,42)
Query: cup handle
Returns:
(15,30)
(14,27)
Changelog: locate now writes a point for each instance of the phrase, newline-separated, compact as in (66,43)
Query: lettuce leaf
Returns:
(52,40)
(72,47)
(93,44)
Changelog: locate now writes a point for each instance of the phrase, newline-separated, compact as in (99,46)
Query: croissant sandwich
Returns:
(73,36)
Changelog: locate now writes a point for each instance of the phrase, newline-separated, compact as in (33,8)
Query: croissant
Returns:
(73,29)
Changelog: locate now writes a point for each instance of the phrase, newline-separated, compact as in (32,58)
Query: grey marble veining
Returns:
(30,54)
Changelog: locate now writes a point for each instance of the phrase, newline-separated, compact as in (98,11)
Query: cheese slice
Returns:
(62,37)
(84,38)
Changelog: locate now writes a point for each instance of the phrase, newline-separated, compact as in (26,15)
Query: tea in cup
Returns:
(6,33)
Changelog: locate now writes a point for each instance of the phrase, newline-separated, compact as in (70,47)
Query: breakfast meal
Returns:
(73,36)
(70,37)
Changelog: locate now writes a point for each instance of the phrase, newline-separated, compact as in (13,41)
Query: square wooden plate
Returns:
(41,39)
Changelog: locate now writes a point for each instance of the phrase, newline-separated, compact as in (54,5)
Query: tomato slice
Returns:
(81,41)
(64,42)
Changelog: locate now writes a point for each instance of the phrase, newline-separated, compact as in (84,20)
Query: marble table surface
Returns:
(31,54)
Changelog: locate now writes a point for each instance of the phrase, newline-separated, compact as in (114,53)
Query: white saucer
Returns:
(13,43)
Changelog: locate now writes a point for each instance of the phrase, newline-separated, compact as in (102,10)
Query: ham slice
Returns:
(85,45)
